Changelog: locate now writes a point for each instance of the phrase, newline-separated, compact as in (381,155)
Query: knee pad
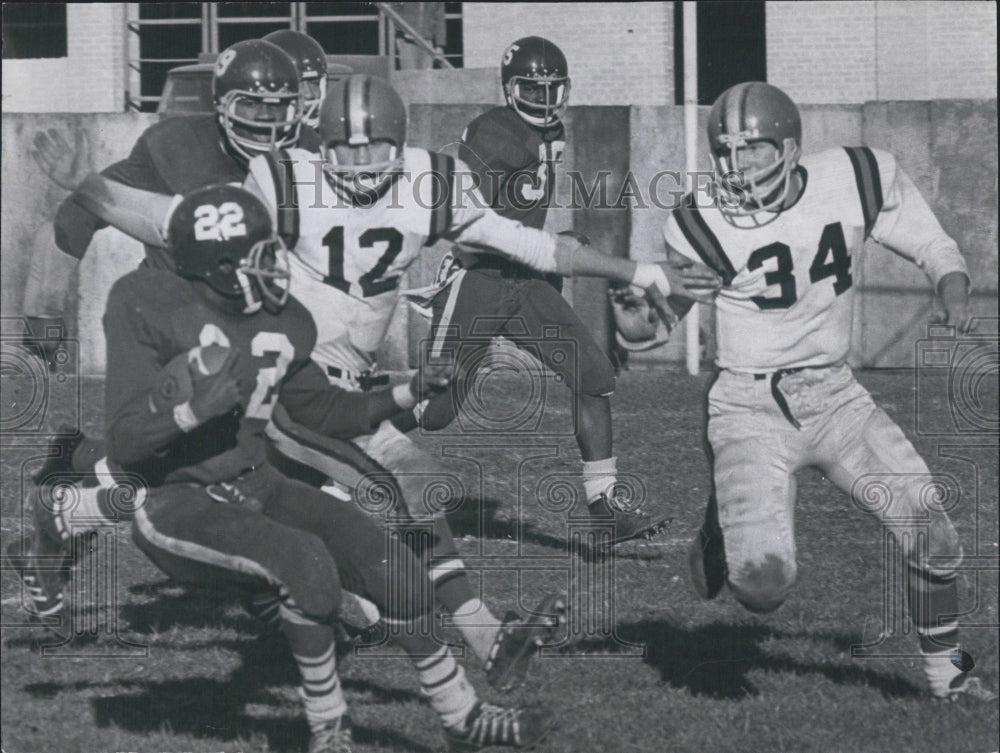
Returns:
(311,580)
(763,587)
(597,377)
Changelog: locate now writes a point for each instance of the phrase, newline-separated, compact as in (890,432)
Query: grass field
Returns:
(155,668)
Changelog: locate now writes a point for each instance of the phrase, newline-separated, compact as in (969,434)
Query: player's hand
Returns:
(66,166)
(46,338)
(217,394)
(691,280)
(953,297)
(430,380)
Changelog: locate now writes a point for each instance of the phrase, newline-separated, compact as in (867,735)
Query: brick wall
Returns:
(618,53)
(852,52)
(88,79)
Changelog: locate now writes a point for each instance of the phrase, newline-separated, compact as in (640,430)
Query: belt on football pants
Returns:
(366,379)
(776,377)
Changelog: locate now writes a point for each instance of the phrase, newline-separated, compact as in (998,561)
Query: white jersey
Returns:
(348,260)
(788,285)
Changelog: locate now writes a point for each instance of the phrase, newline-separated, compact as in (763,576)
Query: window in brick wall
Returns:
(34,30)
(732,47)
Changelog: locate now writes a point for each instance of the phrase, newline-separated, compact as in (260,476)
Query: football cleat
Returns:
(964,686)
(488,725)
(630,523)
(707,556)
(44,567)
(332,737)
(518,640)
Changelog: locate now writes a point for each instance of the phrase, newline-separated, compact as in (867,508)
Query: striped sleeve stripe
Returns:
(702,239)
(286,195)
(442,190)
(869,183)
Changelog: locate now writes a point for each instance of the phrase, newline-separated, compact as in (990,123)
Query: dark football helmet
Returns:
(310,60)
(256,91)
(535,81)
(365,115)
(222,236)
(742,115)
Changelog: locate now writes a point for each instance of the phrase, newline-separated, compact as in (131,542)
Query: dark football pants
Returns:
(286,537)
(480,304)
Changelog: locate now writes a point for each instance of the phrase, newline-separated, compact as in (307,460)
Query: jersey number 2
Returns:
(831,260)
(371,282)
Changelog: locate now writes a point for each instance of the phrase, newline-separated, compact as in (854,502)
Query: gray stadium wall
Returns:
(949,148)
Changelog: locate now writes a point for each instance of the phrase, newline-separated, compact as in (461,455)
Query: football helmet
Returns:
(310,60)
(362,129)
(742,115)
(222,236)
(535,81)
(255,87)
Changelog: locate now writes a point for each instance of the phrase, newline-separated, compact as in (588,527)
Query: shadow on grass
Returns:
(715,660)
(207,707)
(215,709)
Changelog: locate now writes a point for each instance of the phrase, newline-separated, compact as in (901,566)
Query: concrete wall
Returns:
(89,79)
(949,147)
(856,51)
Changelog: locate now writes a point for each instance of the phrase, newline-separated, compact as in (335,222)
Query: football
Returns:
(207,360)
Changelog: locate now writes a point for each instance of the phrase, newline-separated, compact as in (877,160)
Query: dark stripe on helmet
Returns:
(286,195)
(347,108)
(442,190)
(702,239)
(869,182)
(366,98)
(744,94)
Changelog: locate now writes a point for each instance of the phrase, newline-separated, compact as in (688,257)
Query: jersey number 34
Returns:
(831,260)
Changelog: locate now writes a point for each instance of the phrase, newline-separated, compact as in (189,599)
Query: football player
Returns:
(784,234)
(358,214)
(258,107)
(196,362)
(310,60)
(514,151)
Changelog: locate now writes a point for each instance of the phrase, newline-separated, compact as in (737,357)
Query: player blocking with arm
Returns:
(358,214)
(217,513)
(784,233)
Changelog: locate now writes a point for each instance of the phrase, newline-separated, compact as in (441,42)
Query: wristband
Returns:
(651,274)
(403,396)
(184,417)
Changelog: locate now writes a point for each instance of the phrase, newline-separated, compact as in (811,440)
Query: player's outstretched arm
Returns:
(138,213)
(313,402)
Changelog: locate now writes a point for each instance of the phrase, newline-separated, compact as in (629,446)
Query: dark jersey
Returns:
(516,168)
(153,316)
(174,156)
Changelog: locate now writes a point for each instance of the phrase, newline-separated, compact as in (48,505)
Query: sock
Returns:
(599,476)
(443,683)
(313,649)
(479,627)
(933,603)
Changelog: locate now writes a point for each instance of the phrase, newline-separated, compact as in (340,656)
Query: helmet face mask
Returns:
(535,80)
(363,135)
(313,92)
(256,91)
(750,179)
(221,236)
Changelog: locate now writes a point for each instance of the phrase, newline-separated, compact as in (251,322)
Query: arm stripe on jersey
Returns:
(441,195)
(286,195)
(869,183)
(702,239)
